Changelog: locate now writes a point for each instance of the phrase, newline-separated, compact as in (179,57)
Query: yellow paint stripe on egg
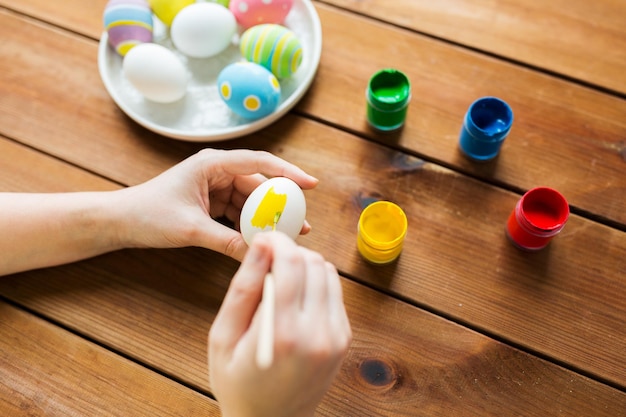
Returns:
(279,51)
(297,59)
(265,213)
(244,47)
(124,47)
(128,23)
(260,42)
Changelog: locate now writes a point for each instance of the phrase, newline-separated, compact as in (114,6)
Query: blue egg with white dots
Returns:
(249,90)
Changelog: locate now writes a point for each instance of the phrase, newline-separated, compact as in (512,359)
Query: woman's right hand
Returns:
(312,332)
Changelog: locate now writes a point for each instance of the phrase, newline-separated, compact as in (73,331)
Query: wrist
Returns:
(121,220)
(100,219)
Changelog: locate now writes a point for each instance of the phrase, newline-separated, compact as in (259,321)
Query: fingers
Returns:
(338,316)
(316,288)
(310,320)
(242,299)
(306,228)
(243,185)
(309,302)
(248,162)
(289,271)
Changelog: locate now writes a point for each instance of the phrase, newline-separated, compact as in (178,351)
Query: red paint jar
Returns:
(538,216)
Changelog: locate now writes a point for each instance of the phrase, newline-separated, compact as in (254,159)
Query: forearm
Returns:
(40,230)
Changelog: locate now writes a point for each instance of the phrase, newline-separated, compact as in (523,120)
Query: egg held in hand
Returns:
(156,73)
(202,30)
(249,90)
(128,23)
(278,199)
(273,46)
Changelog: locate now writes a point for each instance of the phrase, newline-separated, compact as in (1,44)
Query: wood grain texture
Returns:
(579,39)
(565,37)
(156,306)
(456,260)
(117,149)
(564,136)
(566,304)
(26,170)
(46,371)
(50,99)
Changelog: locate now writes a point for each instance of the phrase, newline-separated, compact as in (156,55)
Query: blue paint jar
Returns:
(487,123)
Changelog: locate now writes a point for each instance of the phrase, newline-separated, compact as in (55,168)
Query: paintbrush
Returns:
(265,346)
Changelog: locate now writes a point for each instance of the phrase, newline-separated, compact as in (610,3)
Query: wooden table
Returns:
(462,324)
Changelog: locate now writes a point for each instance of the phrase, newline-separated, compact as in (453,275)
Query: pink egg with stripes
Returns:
(128,23)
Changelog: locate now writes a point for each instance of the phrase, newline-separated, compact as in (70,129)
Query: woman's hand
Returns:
(312,333)
(174,209)
(179,207)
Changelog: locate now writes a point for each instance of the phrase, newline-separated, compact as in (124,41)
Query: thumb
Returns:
(222,239)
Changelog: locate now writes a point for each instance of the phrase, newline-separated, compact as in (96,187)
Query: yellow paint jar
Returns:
(381,233)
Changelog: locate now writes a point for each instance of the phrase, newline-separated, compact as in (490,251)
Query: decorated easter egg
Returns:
(273,46)
(156,72)
(201,30)
(276,204)
(249,90)
(255,12)
(166,10)
(128,23)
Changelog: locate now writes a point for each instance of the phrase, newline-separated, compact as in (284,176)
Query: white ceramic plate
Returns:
(202,116)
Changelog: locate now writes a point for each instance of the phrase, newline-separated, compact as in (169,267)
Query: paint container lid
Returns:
(542,211)
(388,90)
(382,229)
(489,119)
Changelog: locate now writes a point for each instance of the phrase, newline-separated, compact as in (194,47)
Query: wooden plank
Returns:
(156,306)
(448,278)
(81,16)
(564,136)
(561,36)
(579,39)
(76,119)
(456,260)
(46,371)
(26,170)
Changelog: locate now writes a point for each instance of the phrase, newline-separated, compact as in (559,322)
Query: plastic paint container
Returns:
(388,95)
(487,123)
(381,233)
(538,216)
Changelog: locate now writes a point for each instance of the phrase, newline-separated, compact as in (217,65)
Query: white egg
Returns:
(156,72)
(277,198)
(202,30)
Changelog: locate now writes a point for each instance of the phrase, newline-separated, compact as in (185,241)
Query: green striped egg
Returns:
(273,46)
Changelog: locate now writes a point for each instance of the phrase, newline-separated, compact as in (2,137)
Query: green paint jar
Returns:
(388,95)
